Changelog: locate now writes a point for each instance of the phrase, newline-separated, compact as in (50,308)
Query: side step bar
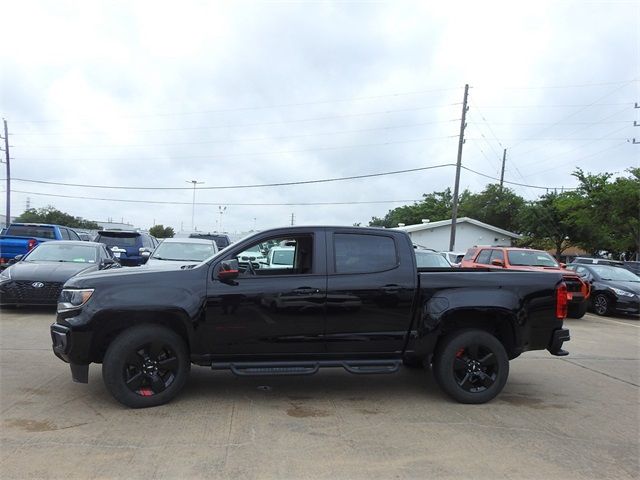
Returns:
(307,367)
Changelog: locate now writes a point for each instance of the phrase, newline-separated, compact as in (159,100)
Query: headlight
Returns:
(73,299)
(622,293)
(5,275)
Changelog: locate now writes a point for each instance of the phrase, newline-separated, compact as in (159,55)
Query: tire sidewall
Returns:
(445,356)
(114,361)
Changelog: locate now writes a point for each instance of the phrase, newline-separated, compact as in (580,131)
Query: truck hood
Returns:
(127,274)
(48,271)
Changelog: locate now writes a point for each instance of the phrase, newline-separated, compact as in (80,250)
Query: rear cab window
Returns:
(31,231)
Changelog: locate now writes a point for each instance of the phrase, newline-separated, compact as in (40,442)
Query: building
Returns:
(469,232)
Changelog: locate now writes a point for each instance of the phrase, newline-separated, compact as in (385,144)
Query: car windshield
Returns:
(118,240)
(618,274)
(532,258)
(190,252)
(31,231)
(56,252)
(430,259)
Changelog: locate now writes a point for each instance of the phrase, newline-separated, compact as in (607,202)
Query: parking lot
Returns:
(572,417)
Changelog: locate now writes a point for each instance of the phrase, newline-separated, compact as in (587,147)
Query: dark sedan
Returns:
(38,277)
(613,289)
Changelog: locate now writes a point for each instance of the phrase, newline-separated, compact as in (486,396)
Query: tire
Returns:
(471,366)
(578,311)
(146,366)
(601,304)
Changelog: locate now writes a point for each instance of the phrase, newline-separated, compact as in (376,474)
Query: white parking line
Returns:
(611,321)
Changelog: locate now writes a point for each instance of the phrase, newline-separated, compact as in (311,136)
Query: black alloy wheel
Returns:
(471,366)
(601,304)
(146,366)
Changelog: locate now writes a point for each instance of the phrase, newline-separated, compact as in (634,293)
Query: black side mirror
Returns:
(107,263)
(228,270)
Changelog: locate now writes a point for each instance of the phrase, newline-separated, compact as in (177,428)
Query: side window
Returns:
(73,235)
(278,256)
(146,241)
(357,253)
(64,233)
(583,272)
(496,255)
(484,256)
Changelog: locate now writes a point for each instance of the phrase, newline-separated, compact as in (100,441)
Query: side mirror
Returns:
(17,258)
(143,250)
(228,270)
(563,265)
(107,263)
(145,254)
(497,262)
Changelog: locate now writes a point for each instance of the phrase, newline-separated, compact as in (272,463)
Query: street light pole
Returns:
(221,210)
(193,203)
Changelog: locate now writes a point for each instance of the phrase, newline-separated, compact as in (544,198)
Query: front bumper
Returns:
(558,337)
(72,348)
(630,306)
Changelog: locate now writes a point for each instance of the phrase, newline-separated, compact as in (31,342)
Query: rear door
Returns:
(370,288)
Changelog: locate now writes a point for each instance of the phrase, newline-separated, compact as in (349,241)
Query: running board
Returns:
(307,367)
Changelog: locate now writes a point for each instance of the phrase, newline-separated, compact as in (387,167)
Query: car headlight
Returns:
(622,293)
(5,275)
(73,299)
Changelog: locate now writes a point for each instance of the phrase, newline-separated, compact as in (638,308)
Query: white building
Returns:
(469,232)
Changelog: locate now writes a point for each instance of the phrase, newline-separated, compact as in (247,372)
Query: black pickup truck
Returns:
(338,297)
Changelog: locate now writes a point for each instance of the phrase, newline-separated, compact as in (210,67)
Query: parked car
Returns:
(181,251)
(529,259)
(633,267)
(37,277)
(128,245)
(279,257)
(613,289)
(430,259)
(222,240)
(20,238)
(598,261)
(86,236)
(146,327)
(454,258)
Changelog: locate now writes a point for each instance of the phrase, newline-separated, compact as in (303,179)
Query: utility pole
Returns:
(193,203)
(8,162)
(504,159)
(221,210)
(456,187)
(293,219)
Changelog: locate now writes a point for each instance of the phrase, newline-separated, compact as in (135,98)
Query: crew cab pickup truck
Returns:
(21,238)
(353,298)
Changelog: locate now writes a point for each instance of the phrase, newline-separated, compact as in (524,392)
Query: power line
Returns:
(243,140)
(513,183)
(160,202)
(256,154)
(229,187)
(580,85)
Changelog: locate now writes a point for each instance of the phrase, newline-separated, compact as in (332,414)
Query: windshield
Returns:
(429,259)
(56,252)
(531,258)
(190,252)
(31,231)
(615,273)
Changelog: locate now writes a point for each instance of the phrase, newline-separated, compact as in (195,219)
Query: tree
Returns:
(495,205)
(160,231)
(54,216)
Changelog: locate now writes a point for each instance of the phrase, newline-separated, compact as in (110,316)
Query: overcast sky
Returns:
(152,94)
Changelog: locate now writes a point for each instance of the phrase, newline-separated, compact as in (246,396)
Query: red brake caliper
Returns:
(145,392)
(459,353)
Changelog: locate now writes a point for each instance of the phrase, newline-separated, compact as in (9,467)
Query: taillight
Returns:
(586,289)
(561,301)
(31,244)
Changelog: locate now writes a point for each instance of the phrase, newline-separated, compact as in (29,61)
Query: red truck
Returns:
(513,258)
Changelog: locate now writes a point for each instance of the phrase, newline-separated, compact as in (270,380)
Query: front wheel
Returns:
(471,366)
(146,366)
(601,304)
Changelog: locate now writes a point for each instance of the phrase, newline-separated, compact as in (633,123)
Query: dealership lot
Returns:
(573,417)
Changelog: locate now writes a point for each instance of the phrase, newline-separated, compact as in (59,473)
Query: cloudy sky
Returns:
(153,94)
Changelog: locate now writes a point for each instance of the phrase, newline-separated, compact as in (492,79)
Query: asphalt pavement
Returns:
(576,417)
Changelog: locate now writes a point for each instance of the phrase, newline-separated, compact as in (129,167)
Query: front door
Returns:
(273,307)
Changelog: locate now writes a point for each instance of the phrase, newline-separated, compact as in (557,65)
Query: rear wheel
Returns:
(601,304)
(471,366)
(146,366)
(577,311)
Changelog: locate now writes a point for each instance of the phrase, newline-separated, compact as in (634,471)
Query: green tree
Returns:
(160,231)
(497,206)
(54,216)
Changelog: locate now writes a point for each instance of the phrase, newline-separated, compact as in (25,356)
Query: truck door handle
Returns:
(390,288)
(306,290)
